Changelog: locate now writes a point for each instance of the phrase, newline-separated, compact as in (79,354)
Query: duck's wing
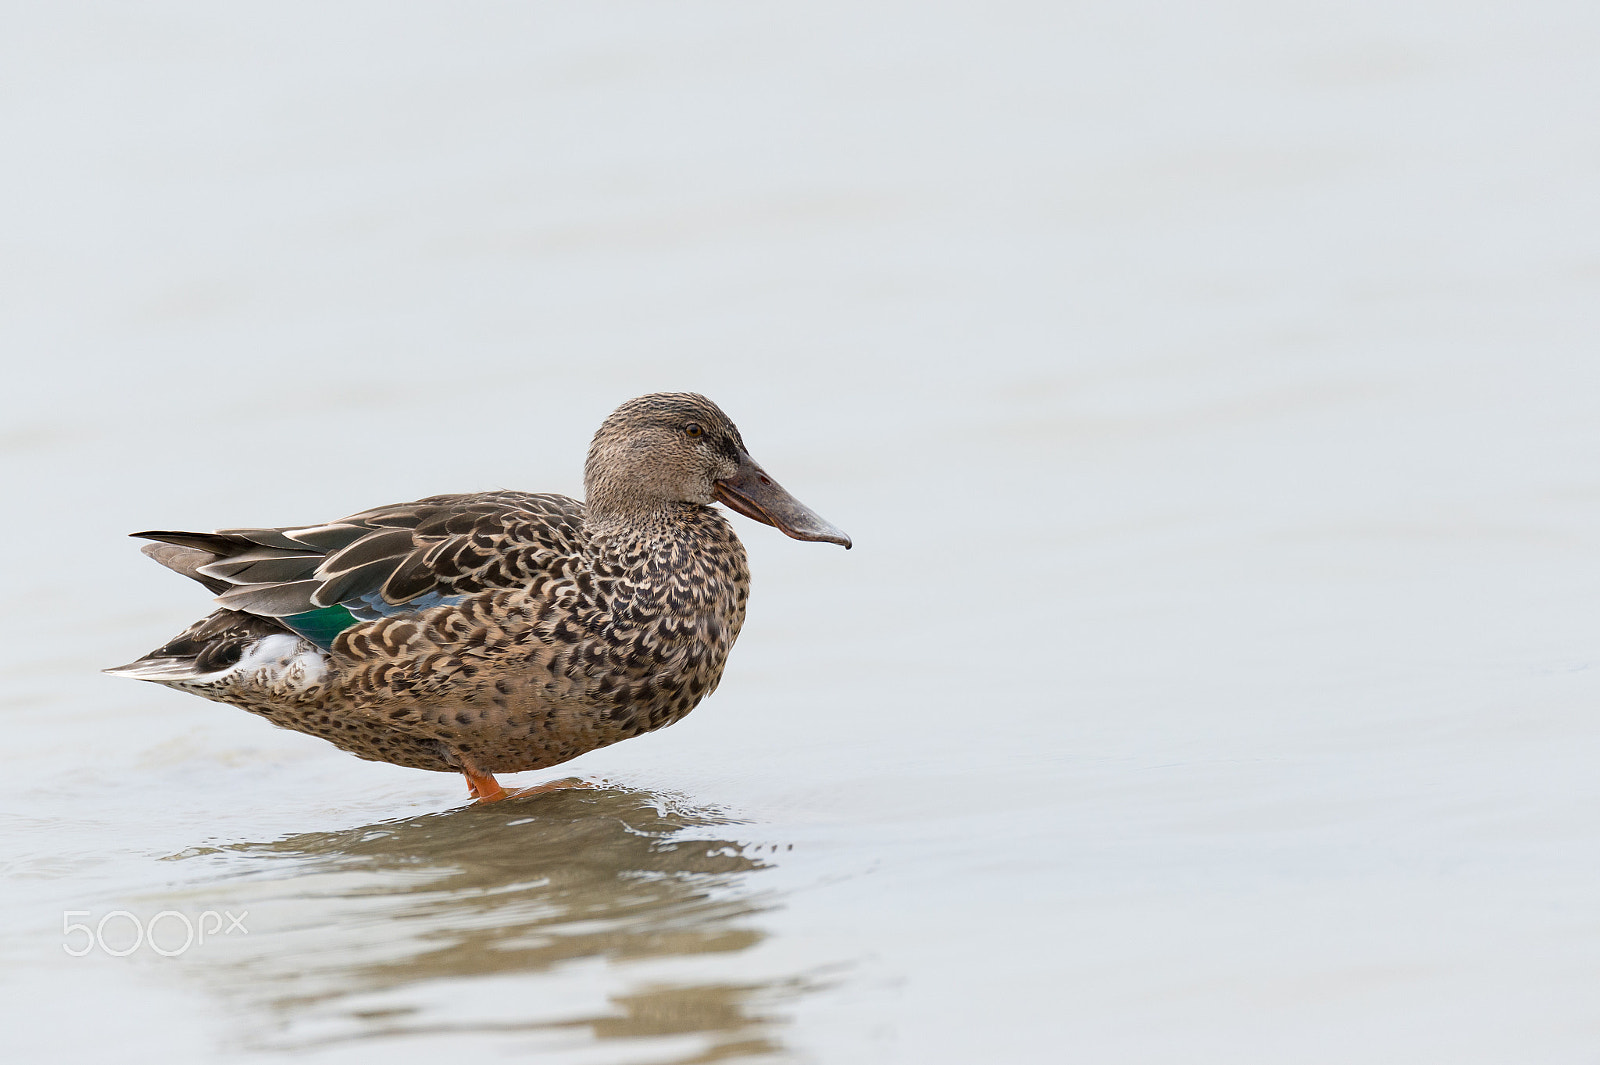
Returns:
(320,579)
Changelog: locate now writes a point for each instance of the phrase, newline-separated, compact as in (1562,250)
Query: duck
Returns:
(492,632)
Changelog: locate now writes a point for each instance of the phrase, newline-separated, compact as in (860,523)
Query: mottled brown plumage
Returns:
(494,632)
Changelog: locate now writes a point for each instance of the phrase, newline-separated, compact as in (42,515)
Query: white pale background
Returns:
(1210,389)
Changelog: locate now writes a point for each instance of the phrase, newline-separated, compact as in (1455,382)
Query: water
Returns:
(1209,393)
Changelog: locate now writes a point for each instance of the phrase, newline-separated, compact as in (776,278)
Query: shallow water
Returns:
(489,897)
(1210,395)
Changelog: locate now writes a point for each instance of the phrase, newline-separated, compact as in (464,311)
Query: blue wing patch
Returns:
(323,625)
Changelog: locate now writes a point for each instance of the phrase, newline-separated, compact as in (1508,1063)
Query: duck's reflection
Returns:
(552,920)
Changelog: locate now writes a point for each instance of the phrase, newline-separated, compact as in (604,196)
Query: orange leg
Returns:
(483,786)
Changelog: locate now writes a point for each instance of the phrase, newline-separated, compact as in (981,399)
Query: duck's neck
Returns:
(642,528)
(620,498)
(685,559)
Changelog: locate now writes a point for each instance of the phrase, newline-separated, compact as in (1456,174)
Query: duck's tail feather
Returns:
(261,571)
(187,561)
(212,648)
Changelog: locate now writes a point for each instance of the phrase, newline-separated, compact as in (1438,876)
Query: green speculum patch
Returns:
(322,625)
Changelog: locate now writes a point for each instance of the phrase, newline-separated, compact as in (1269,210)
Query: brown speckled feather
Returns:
(445,545)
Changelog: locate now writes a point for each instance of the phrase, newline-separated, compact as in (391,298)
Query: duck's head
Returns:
(678,447)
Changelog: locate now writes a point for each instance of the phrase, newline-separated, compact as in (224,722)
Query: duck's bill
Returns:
(755,495)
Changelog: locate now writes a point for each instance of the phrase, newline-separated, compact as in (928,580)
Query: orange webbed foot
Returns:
(483,787)
(554,785)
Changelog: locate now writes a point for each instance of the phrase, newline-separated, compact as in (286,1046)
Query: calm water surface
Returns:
(484,899)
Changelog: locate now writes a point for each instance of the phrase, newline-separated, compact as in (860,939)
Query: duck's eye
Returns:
(693,429)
